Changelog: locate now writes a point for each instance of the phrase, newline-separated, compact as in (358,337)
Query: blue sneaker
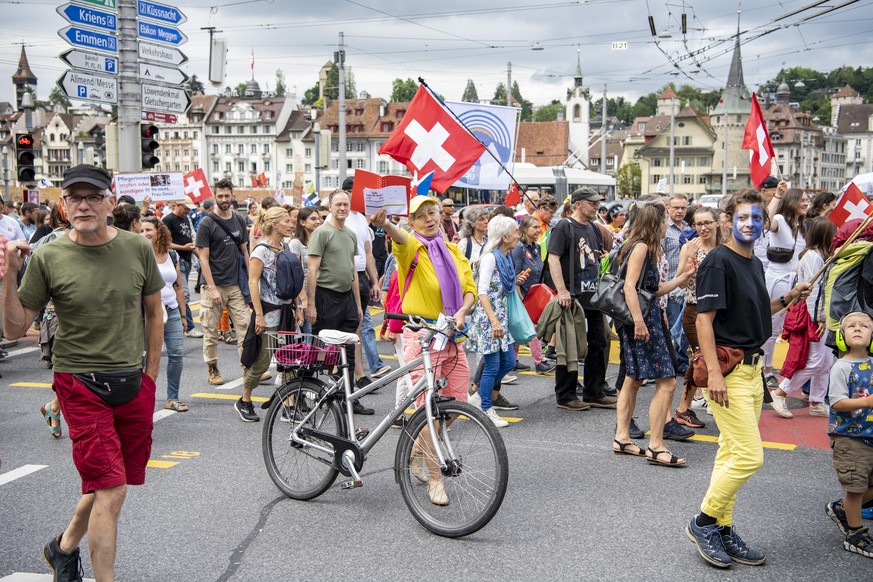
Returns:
(709,543)
(737,549)
(867,513)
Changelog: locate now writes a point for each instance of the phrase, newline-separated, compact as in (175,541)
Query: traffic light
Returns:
(24,158)
(148,135)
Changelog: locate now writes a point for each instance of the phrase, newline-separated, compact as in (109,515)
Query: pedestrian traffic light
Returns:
(148,135)
(24,158)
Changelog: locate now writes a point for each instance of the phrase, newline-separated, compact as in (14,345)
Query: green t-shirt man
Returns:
(337,249)
(97,294)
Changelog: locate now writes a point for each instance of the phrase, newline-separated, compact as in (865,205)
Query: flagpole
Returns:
(458,119)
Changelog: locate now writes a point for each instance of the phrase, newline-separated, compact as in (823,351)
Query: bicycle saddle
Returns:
(337,338)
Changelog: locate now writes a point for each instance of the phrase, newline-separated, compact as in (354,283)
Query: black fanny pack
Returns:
(115,388)
(779,255)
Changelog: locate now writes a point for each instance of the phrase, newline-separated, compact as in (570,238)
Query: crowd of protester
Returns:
(720,280)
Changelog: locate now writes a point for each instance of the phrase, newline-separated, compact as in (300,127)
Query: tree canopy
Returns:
(403,91)
(470,94)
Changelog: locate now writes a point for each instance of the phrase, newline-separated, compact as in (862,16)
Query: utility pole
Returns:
(509,84)
(603,134)
(341,63)
(724,156)
(129,99)
(316,129)
(801,185)
(672,141)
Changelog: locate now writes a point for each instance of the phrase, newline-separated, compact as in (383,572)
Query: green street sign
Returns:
(103,3)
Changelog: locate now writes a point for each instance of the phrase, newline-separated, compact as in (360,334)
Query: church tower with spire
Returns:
(23,79)
(728,121)
(578,105)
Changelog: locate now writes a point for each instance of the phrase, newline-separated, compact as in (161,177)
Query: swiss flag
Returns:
(429,139)
(853,204)
(512,197)
(196,186)
(757,140)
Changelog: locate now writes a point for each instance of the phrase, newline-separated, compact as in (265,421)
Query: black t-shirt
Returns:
(223,251)
(581,243)
(180,231)
(733,286)
(380,249)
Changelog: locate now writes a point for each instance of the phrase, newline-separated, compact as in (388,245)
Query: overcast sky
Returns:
(450,41)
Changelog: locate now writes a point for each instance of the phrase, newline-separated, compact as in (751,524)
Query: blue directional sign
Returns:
(158,33)
(89,17)
(81,37)
(159,12)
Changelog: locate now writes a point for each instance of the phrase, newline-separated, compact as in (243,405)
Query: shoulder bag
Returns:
(609,297)
(242,270)
(520,324)
(782,255)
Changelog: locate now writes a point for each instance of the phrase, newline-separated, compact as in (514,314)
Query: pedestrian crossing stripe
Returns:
(214,396)
(767,444)
(412,411)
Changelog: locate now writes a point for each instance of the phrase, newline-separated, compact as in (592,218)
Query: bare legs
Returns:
(97,515)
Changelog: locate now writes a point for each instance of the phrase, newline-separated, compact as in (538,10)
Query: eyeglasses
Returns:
(448,205)
(92,199)
(704,224)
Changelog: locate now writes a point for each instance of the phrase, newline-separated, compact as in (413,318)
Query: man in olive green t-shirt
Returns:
(332,279)
(102,282)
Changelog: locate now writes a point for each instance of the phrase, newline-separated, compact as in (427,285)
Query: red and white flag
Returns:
(196,186)
(757,140)
(512,196)
(430,139)
(852,204)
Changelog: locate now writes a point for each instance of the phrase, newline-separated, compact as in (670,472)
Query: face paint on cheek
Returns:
(748,227)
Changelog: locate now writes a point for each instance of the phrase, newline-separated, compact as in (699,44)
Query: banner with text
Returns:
(158,187)
(494,125)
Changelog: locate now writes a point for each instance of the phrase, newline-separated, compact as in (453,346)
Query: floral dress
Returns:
(481,338)
(654,358)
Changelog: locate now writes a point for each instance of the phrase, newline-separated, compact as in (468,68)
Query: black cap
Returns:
(770,182)
(126,199)
(208,203)
(585,193)
(87,174)
(349,183)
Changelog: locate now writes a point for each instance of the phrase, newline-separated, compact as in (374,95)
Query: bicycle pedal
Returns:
(351,484)
(362,433)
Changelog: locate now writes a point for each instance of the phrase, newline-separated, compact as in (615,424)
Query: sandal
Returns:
(623,449)
(176,405)
(673,462)
(50,417)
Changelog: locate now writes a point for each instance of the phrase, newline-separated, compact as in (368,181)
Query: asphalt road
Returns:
(573,510)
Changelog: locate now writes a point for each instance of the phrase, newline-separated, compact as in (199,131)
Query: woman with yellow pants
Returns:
(734,311)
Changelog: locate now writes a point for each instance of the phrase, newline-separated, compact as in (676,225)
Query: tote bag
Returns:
(520,325)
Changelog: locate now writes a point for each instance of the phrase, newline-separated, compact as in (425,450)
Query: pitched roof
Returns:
(299,121)
(854,118)
(364,117)
(668,93)
(225,104)
(846,91)
(23,73)
(546,143)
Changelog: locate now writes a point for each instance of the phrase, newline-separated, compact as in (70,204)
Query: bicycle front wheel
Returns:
(299,471)
(470,490)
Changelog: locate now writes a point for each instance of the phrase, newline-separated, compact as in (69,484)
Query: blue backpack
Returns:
(289,273)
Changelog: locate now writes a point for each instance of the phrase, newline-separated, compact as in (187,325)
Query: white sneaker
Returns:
(498,422)
(699,403)
(780,407)
(418,467)
(509,379)
(819,409)
(475,400)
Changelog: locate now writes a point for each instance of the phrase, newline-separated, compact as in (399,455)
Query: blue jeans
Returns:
(368,338)
(185,269)
(497,365)
(174,341)
(680,342)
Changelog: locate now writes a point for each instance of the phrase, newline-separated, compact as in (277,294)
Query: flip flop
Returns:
(673,462)
(176,405)
(623,449)
(49,416)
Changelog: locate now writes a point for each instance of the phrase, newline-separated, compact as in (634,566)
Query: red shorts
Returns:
(111,445)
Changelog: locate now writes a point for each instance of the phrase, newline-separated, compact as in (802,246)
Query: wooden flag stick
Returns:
(837,254)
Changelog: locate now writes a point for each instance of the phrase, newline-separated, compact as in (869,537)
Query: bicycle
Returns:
(309,434)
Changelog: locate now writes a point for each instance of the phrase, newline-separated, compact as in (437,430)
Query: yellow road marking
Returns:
(376,310)
(532,373)
(214,396)
(31,385)
(705,438)
(506,418)
(153,464)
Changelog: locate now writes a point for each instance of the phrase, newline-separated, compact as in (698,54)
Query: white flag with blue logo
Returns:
(494,125)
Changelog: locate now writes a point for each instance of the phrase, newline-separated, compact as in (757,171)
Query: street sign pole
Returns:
(129,91)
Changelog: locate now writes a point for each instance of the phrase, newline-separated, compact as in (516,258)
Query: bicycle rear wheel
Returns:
(300,472)
(475,481)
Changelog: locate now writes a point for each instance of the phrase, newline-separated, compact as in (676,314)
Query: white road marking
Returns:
(229,385)
(27,577)
(161,414)
(20,472)
(22,351)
